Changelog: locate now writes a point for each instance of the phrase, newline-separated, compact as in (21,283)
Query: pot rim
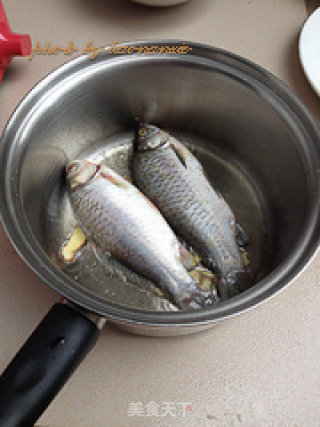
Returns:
(32,253)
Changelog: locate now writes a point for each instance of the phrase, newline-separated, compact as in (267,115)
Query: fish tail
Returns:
(234,283)
(191,296)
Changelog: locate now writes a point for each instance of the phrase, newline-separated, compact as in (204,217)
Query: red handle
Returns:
(11,44)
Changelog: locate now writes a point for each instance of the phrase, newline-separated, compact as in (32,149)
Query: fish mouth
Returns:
(80,172)
(149,137)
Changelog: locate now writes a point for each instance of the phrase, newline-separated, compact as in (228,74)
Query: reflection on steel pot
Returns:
(254,138)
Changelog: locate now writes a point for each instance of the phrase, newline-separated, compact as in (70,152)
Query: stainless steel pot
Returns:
(256,140)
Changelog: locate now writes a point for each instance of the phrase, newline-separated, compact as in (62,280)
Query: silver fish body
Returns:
(174,180)
(121,222)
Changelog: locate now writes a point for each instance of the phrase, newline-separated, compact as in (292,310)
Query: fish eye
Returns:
(143,132)
(72,167)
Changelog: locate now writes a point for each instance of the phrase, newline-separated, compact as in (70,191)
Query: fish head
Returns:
(80,172)
(149,137)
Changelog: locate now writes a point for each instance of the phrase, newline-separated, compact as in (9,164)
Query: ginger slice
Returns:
(244,257)
(73,245)
(204,278)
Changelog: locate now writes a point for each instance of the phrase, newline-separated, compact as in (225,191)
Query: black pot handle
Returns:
(43,365)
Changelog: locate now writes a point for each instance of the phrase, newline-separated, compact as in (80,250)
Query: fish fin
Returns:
(196,296)
(180,154)
(114,178)
(191,163)
(73,245)
(234,283)
(185,156)
(226,290)
(188,260)
(124,183)
(114,267)
(241,236)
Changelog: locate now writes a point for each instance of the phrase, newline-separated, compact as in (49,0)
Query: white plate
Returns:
(309,49)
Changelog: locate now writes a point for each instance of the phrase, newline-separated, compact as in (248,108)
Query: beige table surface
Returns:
(260,369)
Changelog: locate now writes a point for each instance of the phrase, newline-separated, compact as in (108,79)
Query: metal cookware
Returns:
(255,139)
